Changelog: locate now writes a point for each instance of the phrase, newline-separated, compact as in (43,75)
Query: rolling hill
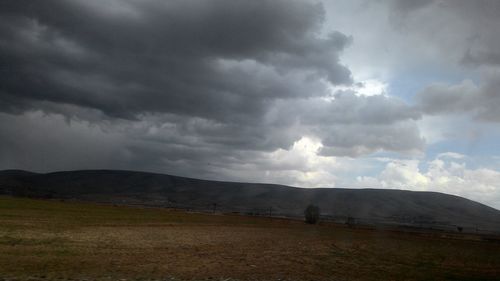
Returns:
(366,206)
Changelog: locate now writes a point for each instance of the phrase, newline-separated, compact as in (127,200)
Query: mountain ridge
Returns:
(367,205)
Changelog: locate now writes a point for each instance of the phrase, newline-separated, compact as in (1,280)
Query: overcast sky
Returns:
(383,94)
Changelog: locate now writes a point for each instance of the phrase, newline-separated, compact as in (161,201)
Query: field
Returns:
(67,240)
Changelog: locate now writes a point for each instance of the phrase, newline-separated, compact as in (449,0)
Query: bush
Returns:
(311,214)
(350,221)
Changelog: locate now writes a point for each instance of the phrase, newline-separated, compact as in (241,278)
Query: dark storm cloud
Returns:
(48,142)
(187,87)
(211,59)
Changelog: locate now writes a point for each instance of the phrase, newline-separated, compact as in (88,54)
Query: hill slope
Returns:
(365,205)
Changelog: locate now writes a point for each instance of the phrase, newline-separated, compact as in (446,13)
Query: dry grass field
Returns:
(53,240)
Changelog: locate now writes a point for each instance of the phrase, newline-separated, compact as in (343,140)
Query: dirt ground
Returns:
(67,240)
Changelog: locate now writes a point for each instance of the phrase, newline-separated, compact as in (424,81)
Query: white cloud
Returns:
(299,166)
(453,155)
(403,174)
(447,173)
(372,87)
(368,87)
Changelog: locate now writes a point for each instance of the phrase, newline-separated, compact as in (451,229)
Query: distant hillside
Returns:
(371,206)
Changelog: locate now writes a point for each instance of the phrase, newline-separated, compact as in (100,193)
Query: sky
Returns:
(343,93)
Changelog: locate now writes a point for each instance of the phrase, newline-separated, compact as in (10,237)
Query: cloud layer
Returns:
(245,90)
(209,60)
(213,76)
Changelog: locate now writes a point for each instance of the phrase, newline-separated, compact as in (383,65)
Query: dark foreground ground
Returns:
(50,240)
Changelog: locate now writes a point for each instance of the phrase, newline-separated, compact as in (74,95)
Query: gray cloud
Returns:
(185,87)
(360,139)
(482,101)
(347,108)
(468,30)
(211,59)
(353,125)
(405,6)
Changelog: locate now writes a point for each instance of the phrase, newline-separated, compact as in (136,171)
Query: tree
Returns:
(350,221)
(311,214)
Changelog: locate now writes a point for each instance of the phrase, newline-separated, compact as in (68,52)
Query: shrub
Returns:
(311,214)
(350,221)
